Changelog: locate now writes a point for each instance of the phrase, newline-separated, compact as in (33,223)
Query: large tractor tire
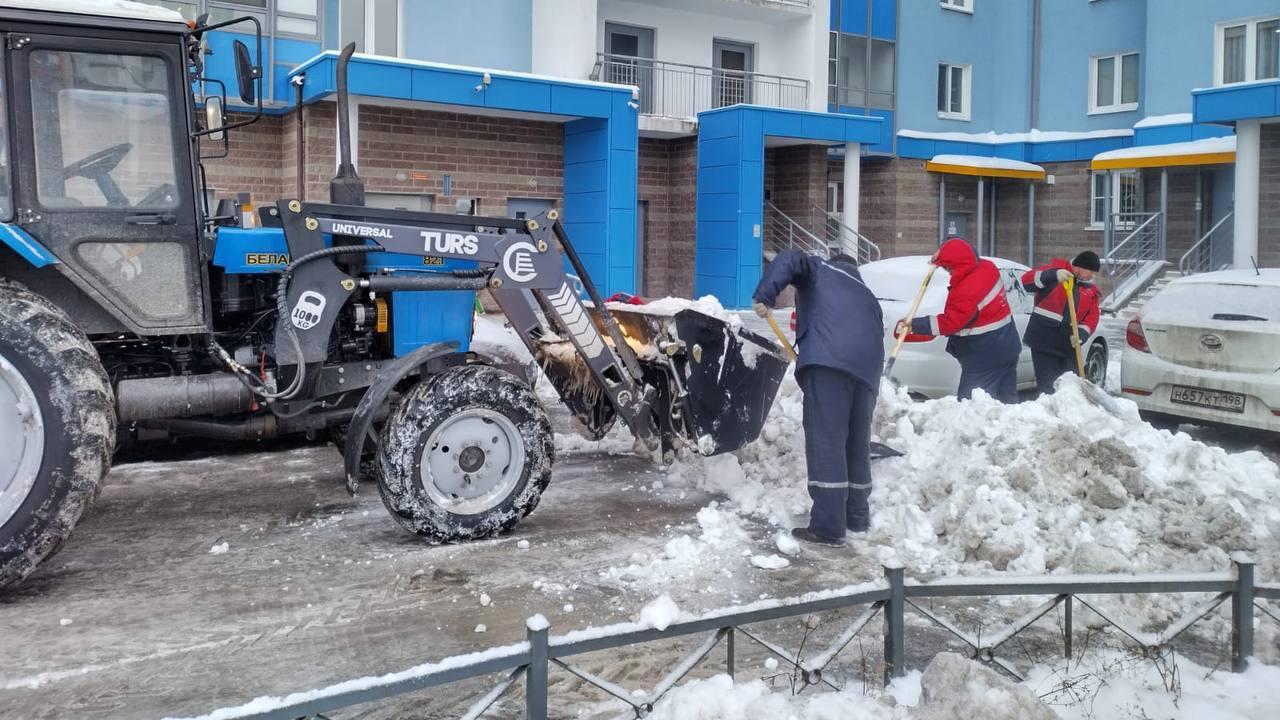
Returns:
(58,425)
(465,455)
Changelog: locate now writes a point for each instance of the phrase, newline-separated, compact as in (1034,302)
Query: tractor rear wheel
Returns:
(465,455)
(58,422)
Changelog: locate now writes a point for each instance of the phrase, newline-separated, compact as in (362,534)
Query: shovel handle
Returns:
(791,351)
(1070,286)
(915,305)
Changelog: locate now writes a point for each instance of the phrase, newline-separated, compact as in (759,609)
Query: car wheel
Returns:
(1095,365)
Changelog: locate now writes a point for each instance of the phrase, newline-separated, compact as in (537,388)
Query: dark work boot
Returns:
(809,536)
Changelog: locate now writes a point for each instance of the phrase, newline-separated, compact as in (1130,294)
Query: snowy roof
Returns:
(984,166)
(110,8)
(1194,152)
(993,138)
(1159,120)
(1266,277)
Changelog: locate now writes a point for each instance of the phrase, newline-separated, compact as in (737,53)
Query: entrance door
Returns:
(733,61)
(630,60)
(105,174)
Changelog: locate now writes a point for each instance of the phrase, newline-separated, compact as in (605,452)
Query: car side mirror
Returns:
(246,73)
(215,117)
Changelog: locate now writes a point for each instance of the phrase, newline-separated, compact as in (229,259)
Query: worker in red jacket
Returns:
(978,322)
(1053,348)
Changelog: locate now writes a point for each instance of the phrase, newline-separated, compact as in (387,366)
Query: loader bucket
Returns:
(732,378)
(730,375)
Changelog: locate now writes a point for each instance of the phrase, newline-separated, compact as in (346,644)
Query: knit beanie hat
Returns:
(1088,260)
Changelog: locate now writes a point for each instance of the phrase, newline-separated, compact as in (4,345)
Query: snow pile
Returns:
(707,305)
(719,697)
(722,541)
(660,613)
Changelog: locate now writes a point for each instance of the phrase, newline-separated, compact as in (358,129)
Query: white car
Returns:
(1206,348)
(924,366)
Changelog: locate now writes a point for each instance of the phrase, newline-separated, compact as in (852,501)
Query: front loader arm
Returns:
(519,260)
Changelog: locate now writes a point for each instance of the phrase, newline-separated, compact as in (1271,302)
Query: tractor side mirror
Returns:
(246,73)
(215,117)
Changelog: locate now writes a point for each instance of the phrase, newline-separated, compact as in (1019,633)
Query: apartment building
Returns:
(686,140)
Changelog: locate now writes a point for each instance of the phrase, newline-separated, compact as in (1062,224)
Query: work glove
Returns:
(761,309)
(1065,276)
(902,328)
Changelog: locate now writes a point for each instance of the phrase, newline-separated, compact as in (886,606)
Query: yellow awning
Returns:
(980,166)
(1211,151)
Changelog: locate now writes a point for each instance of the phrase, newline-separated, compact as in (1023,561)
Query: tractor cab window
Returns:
(103,131)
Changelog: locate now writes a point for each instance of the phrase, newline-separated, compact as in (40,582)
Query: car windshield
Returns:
(1215,302)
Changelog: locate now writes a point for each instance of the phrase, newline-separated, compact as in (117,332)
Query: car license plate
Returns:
(1216,399)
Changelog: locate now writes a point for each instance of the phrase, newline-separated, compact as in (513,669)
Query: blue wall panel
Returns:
(730,187)
(1232,103)
(853,16)
(884,19)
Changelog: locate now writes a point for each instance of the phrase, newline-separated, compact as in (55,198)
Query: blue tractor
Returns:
(128,310)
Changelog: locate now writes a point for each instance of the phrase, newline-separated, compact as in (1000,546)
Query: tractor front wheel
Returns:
(57,429)
(465,455)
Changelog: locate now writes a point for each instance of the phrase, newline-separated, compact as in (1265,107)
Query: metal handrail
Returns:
(850,241)
(1202,259)
(782,232)
(889,598)
(1131,255)
(674,89)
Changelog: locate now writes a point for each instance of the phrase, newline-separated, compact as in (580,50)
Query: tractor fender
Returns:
(27,247)
(375,396)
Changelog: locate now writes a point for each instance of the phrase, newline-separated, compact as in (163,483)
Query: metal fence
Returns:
(678,90)
(889,599)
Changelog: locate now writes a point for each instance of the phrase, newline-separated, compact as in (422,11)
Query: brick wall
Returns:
(255,162)
(667,182)
(1269,198)
(795,180)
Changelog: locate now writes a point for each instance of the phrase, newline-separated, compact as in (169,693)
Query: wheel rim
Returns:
(19,460)
(472,461)
(1095,368)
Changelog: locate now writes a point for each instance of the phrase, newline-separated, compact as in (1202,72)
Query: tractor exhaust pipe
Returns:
(346,188)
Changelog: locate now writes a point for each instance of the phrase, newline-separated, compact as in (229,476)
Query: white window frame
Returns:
(966,92)
(1117,83)
(964,6)
(1250,48)
(1096,223)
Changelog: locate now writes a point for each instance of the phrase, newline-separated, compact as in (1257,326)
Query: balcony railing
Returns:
(682,91)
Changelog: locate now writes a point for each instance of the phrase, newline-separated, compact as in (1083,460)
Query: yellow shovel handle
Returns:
(791,351)
(1070,286)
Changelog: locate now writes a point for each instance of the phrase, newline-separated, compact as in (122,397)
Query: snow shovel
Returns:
(1070,286)
(1098,395)
(915,305)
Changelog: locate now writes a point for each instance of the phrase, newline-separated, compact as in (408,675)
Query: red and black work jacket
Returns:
(1049,329)
(977,310)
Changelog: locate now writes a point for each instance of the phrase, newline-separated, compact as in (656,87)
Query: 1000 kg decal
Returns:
(266,259)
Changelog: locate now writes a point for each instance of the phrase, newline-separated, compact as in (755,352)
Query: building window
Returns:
(1247,51)
(960,5)
(953,91)
(861,72)
(1124,197)
(373,25)
(1113,83)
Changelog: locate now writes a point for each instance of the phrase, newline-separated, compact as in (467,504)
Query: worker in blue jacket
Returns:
(840,334)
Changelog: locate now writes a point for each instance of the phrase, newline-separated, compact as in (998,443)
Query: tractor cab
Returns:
(99,156)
